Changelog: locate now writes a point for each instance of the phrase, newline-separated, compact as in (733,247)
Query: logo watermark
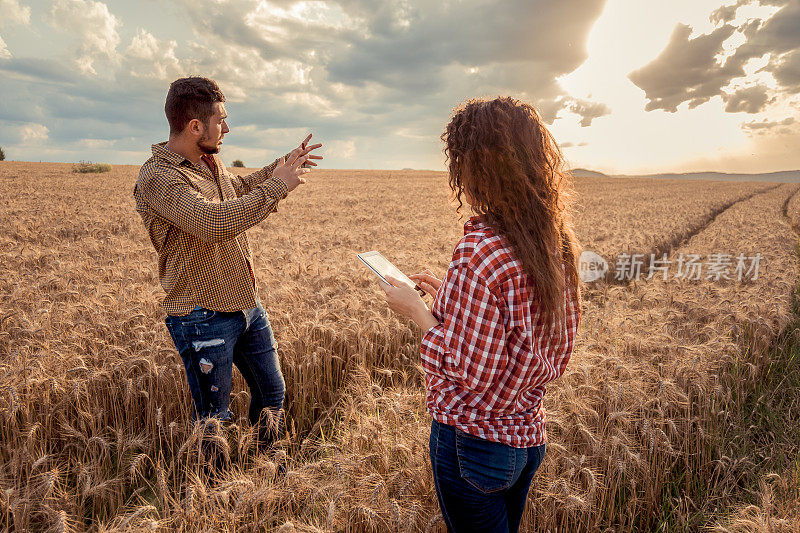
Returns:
(592,266)
(715,267)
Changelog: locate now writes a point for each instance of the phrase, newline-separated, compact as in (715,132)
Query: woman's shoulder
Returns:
(487,254)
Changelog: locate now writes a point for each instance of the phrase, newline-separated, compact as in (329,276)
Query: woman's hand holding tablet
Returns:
(384,268)
(427,282)
(399,289)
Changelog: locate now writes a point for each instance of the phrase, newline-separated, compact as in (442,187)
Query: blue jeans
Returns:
(210,343)
(481,485)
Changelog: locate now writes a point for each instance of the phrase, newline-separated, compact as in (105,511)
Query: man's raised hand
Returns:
(304,146)
(292,168)
(291,173)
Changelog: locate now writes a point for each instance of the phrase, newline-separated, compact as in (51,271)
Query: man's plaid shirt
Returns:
(196,217)
(488,360)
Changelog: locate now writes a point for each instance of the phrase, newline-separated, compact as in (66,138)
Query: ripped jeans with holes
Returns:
(210,343)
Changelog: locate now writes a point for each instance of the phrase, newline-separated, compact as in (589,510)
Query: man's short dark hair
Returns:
(190,98)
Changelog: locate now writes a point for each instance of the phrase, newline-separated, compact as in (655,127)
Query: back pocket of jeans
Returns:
(488,466)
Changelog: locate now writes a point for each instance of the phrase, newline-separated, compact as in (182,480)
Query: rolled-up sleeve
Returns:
(468,345)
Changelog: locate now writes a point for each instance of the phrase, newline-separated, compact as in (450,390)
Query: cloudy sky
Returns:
(629,86)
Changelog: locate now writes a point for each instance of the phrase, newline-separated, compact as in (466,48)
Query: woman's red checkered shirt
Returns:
(488,360)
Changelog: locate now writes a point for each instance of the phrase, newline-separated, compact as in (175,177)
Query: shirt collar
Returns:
(161,151)
(473,224)
(210,161)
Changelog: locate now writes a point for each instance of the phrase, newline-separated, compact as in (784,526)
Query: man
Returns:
(196,213)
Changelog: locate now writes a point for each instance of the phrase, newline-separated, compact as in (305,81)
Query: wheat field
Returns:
(650,428)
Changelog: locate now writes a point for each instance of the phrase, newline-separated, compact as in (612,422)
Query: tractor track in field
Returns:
(785,210)
(684,237)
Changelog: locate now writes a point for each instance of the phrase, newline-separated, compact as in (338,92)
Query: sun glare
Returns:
(627,36)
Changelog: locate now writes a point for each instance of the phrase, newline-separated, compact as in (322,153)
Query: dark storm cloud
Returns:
(688,70)
(749,100)
(787,71)
(725,13)
(587,110)
(411,49)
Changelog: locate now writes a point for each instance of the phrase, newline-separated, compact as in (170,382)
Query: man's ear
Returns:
(195,127)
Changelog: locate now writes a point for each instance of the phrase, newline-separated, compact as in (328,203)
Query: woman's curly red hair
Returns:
(501,155)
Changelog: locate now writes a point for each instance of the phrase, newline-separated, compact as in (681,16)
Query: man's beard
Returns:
(206,149)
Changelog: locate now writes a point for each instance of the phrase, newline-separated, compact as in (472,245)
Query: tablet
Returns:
(382,267)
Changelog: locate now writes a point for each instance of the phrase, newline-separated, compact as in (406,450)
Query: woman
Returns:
(503,319)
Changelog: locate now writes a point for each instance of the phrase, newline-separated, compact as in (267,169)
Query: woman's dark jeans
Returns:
(210,343)
(481,485)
